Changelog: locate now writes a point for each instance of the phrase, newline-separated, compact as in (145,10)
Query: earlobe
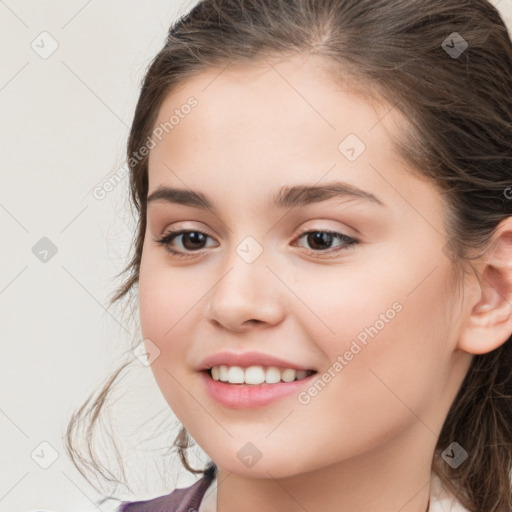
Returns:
(489,322)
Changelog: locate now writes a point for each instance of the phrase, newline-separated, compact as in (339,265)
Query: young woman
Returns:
(324,254)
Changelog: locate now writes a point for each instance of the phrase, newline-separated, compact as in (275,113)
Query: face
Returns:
(368,306)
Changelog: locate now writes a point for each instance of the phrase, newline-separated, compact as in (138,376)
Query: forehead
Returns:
(291,97)
(276,123)
(291,104)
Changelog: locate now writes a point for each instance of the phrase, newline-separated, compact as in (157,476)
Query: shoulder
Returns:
(185,499)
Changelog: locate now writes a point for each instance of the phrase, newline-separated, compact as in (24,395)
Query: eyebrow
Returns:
(287,197)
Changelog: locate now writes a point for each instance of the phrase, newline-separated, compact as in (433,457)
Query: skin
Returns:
(366,441)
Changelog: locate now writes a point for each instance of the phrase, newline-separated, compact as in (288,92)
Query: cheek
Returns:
(386,385)
(341,307)
(167,300)
(385,345)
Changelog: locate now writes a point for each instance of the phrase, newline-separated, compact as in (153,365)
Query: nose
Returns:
(247,295)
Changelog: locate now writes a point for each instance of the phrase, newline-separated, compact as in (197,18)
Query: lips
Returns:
(247,359)
(241,396)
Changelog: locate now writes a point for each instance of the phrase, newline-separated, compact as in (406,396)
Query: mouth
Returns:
(253,387)
(256,375)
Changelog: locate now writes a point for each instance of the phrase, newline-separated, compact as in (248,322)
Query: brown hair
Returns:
(459,135)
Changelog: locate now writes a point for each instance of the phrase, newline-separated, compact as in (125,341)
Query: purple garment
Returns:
(185,499)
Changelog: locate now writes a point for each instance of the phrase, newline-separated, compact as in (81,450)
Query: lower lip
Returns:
(245,396)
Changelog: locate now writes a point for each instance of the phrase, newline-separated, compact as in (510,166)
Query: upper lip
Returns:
(246,359)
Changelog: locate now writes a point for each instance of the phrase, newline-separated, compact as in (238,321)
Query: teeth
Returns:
(257,374)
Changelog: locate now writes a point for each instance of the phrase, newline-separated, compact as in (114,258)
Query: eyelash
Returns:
(166,239)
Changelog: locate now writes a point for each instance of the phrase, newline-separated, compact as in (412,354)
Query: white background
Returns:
(64,124)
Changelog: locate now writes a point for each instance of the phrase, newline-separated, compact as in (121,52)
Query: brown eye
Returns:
(191,240)
(320,241)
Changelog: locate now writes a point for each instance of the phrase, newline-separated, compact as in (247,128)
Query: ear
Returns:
(489,323)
